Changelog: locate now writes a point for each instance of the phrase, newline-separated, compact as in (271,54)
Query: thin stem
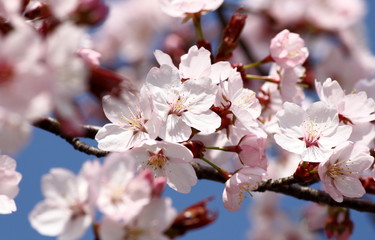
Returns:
(267,79)
(263,61)
(225,174)
(198,26)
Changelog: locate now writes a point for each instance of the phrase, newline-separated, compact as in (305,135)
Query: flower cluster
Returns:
(129,199)
(186,109)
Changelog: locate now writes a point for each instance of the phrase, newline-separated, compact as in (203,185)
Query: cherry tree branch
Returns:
(288,185)
(53,126)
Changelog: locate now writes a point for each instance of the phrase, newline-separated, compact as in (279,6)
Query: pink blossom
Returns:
(316,216)
(242,182)
(253,150)
(21,60)
(9,180)
(127,35)
(340,173)
(68,71)
(182,105)
(311,133)
(366,85)
(242,102)
(151,223)
(170,160)
(353,108)
(335,14)
(14,132)
(66,211)
(197,64)
(180,8)
(288,49)
(122,191)
(132,122)
(289,79)
(90,56)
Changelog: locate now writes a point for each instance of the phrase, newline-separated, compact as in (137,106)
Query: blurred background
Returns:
(46,151)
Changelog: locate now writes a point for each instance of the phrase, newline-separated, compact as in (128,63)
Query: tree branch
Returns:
(53,126)
(288,186)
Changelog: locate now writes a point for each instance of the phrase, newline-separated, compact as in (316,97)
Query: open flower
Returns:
(182,105)
(311,133)
(150,223)
(170,160)
(242,182)
(132,122)
(340,173)
(353,108)
(66,211)
(123,192)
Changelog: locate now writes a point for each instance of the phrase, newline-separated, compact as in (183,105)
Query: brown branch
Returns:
(53,126)
(288,186)
(314,195)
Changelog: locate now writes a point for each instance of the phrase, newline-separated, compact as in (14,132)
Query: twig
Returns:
(288,186)
(53,126)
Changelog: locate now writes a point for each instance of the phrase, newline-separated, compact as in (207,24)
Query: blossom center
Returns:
(245,99)
(157,160)
(78,210)
(338,170)
(312,134)
(136,122)
(178,107)
(132,233)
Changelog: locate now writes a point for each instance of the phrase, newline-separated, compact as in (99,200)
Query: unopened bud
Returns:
(193,217)
(231,36)
(369,184)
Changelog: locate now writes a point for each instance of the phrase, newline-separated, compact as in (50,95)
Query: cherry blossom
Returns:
(15,132)
(288,49)
(353,108)
(196,63)
(289,79)
(9,180)
(66,211)
(68,71)
(167,159)
(132,122)
(17,66)
(150,223)
(128,36)
(242,102)
(182,105)
(340,173)
(180,8)
(242,182)
(123,192)
(335,14)
(253,150)
(311,133)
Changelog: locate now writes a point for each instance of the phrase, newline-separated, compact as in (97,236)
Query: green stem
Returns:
(198,26)
(223,173)
(263,61)
(267,79)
